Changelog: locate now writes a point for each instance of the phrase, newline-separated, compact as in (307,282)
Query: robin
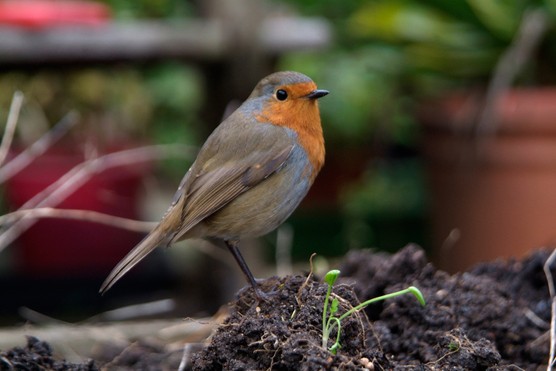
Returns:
(249,176)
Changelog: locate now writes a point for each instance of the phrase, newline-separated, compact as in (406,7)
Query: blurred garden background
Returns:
(384,62)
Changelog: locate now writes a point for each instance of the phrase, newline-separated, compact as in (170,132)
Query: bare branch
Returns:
(84,215)
(11,123)
(132,312)
(80,174)
(552,356)
(550,280)
(284,242)
(548,273)
(532,28)
(23,159)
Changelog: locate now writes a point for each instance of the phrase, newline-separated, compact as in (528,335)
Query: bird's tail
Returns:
(148,244)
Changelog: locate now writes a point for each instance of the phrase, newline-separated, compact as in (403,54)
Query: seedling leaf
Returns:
(331,277)
(417,293)
(328,314)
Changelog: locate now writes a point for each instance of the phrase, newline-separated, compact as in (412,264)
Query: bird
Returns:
(248,177)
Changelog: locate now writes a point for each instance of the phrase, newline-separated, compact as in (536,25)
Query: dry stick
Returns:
(284,241)
(533,26)
(552,356)
(550,281)
(32,316)
(300,291)
(84,215)
(134,311)
(11,123)
(36,149)
(80,174)
(535,319)
(186,355)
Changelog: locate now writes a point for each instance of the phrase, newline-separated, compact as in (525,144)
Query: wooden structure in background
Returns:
(235,43)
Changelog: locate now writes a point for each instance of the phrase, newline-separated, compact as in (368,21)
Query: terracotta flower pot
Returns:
(491,196)
(60,247)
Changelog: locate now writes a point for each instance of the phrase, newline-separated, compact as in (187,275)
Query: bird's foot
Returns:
(267,295)
(259,294)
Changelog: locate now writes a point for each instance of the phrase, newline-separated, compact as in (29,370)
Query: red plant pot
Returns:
(61,247)
(36,14)
(492,196)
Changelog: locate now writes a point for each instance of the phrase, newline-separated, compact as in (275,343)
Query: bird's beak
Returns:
(315,94)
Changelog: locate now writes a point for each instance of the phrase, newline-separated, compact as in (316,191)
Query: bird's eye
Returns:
(281,94)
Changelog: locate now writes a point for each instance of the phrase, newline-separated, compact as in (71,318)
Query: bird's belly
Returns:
(262,208)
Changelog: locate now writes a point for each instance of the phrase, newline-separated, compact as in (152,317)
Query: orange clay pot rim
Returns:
(520,110)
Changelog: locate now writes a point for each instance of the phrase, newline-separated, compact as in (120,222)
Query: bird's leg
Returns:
(233,246)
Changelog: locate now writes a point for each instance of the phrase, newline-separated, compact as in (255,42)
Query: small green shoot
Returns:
(453,346)
(330,320)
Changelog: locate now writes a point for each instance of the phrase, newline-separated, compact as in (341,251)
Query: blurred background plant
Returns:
(389,55)
(455,44)
(479,50)
(117,105)
(152,9)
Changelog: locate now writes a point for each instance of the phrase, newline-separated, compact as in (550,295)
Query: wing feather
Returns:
(214,190)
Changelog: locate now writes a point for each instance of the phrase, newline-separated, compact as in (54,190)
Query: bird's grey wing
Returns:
(210,191)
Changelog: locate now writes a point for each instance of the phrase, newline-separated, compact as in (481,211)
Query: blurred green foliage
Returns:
(366,98)
(386,208)
(390,188)
(454,43)
(371,106)
(158,103)
(167,9)
(176,91)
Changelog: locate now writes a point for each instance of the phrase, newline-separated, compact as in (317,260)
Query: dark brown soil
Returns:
(37,355)
(494,317)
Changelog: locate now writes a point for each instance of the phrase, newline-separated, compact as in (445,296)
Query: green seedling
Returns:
(329,318)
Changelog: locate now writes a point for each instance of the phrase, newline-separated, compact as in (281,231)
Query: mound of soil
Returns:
(494,317)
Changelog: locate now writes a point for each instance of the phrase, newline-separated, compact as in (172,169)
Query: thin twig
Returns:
(11,123)
(532,28)
(80,174)
(548,273)
(84,215)
(306,282)
(550,280)
(135,311)
(33,316)
(535,319)
(552,356)
(185,357)
(36,149)
(284,241)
